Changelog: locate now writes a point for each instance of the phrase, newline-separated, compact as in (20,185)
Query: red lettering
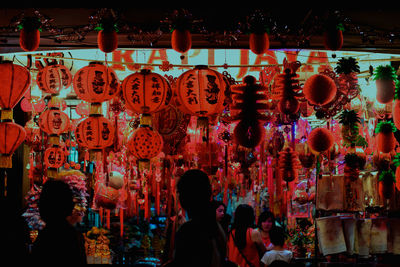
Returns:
(157,55)
(269,57)
(315,57)
(291,56)
(119,56)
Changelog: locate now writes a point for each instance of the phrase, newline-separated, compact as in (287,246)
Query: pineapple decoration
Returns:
(385,79)
(350,121)
(386,184)
(249,99)
(385,140)
(347,69)
(353,165)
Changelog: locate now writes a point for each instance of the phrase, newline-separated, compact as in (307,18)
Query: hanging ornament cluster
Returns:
(385,78)
(385,140)
(289,164)
(53,78)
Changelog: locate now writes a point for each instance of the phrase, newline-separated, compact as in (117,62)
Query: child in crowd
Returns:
(278,252)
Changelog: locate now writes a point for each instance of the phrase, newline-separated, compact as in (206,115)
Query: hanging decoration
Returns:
(249,100)
(333,33)
(12,136)
(53,78)
(385,78)
(396,106)
(319,89)
(289,164)
(29,38)
(320,140)
(181,23)
(385,140)
(258,33)
(107,37)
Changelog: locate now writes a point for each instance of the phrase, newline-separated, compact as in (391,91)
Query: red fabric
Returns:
(250,251)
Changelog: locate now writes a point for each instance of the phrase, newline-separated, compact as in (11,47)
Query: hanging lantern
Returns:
(320,140)
(201,91)
(95,133)
(29,38)
(106,197)
(54,157)
(319,89)
(54,122)
(96,83)
(289,164)
(145,144)
(385,140)
(107,38)
(181,40)
(53,78)
(14,82)
(12,136)
(333,38)
(258,38)
(146,92)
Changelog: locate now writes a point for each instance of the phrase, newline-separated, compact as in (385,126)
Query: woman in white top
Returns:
(278,252)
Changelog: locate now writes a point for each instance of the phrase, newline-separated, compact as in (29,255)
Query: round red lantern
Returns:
(106,197)
(54,122)
(320,139)
(107,40)
(201,91)
(12,136)
(95,132)
(319,89)
(96,83)
(145,143)
(14,82)
(146,92)
(54,157)
(181,40)
(53,78)
(259,43)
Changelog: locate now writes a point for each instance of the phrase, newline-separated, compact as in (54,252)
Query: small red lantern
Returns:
(201,91)
(54,122)
(106,197)
(146,92)
(145,143)
(385,140)
(96,83)
(12,136)
(319,89)
(54,157)
(320,139)
(259,43)
(289,164)
(29,38)
(53,78)
(333,39)
(95,132)
(181,40)
(107,40)
(14,82)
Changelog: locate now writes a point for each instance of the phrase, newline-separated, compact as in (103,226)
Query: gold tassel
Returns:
(146,120)
(6,161)
(7,115)
(95,109)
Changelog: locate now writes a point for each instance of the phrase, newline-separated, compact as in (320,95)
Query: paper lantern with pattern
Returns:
(145,144)
(146,92)
(96,83)
(320,140)
(54,157)
(53,78)
(319,89)
(14,82)
(54,122)
(201,91)
(12,136)
(95,132)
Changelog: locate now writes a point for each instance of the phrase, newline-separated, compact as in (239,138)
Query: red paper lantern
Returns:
(201,91)
(95,132)
(145,143)
(54,122)
(53,78)
(320,139)
(107,40)
(319,89)
(106,197)
(146,92)
(14,82)
(54,157)
(181,40)
(12,136)
(259,43)
(96,83)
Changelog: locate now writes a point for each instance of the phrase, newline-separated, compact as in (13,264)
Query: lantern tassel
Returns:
(6,161)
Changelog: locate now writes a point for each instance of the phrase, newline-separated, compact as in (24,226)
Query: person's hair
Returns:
(265,215)
(216,204)
(277,236)
(243,219)
(55,201)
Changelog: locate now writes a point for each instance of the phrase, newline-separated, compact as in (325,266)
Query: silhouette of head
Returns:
(277,236)
(56,201)
(194,191)
(244,216)
(266,218)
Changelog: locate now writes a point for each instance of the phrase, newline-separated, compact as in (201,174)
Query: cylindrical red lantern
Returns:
(320,139)
(14,82)
(201,91)
(146,92)
(96,83)
(53,78)
(95,132)
(145,143)
(54,122)
(385,90)
(12,136)
(54,157)
(107,40)
(319,89)
(181,40)
(259,43)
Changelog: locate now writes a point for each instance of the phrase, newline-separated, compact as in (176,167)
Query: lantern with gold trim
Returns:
(54,158)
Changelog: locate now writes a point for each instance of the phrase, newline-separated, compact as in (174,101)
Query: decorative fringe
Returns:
(7,115)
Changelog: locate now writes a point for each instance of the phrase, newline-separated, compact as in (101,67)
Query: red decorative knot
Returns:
(166,66)
(225,66)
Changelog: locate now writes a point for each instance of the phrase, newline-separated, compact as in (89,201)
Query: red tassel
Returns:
(158,198)
(121,221)
(146,204)
(270,183)
(108,218)
(101,215)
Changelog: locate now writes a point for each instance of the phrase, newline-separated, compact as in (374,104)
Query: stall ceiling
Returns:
(371,29)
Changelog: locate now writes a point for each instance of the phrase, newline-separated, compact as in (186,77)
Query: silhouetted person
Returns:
(200,241)
(222,217)
(278,256)
(59,243)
